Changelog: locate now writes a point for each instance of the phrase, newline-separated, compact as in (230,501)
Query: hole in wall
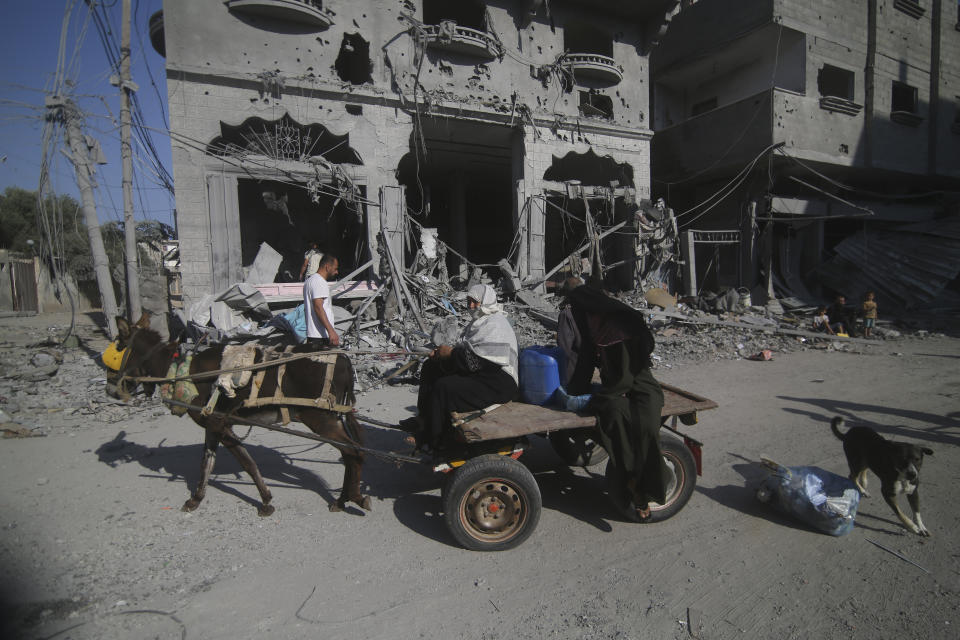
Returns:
(353,63)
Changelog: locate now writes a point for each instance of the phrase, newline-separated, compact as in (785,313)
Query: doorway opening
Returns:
(598,185)
(462,187)
(466,13)
(284,215)
(565,231)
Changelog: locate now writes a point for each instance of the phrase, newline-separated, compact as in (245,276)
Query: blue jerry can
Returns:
(539,373)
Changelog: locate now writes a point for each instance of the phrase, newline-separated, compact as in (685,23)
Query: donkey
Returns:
(148,355)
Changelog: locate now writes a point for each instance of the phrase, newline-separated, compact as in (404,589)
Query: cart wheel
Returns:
(577,447)
(492,503)
(683,467)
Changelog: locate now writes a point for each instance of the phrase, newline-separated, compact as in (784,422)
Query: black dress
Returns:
(600,331)
(462,382)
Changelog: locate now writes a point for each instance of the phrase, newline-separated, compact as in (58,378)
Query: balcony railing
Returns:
(910,7)
(309,12)
(594,67)
(449,36)
(840,105)
(906,117)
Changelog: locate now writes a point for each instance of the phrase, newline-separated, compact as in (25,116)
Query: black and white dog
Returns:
(897,464)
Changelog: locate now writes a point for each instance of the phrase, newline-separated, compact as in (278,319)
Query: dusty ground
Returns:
(93,544)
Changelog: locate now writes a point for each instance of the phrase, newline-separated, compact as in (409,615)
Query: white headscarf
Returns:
(490,335)
(485,295)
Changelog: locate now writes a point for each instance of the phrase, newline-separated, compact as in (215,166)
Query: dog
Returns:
(897,464)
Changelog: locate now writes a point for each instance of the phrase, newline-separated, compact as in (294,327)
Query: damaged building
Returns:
(507,130)
(813,148)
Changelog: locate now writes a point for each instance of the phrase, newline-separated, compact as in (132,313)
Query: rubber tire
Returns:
(681,460)
(577,447)
(502,475)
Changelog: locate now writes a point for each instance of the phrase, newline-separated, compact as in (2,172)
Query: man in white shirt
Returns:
(318,304)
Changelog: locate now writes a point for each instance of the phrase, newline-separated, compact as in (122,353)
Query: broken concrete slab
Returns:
(265,265)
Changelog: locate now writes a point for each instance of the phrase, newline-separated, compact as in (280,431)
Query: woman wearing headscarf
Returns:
(597,331)
(480,370)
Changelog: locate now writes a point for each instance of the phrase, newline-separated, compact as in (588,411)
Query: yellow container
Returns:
(113,357)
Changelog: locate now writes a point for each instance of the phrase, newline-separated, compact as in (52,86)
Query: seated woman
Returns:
(480,370)
(599,331)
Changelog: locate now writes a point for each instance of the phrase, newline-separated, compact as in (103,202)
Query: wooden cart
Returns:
(492,502)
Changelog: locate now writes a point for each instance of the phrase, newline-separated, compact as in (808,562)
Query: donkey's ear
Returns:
(144,321)
(123,328)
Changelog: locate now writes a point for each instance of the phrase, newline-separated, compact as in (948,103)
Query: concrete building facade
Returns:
(501,123)
(797,142)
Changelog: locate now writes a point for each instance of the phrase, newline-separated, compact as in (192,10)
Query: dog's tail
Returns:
(835,425)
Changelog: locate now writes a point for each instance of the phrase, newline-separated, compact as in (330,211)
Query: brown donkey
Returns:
(148,355)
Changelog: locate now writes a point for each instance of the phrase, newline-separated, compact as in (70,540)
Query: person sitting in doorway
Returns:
(842,316)
(476,372)
(821,323)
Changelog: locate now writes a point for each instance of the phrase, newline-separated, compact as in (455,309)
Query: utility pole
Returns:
(67,112)
(126,155)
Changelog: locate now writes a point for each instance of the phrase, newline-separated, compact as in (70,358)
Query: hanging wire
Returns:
(726,190)
(846,187)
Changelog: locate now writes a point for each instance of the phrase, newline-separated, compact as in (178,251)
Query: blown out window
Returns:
(903,98)
(596,104)
(835,82)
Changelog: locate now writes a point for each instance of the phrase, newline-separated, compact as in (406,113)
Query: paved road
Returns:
(94,545)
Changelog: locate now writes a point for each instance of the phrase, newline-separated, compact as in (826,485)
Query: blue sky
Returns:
(29,43)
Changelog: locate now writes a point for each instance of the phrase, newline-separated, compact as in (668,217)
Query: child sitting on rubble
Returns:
(821,322)
(869,314)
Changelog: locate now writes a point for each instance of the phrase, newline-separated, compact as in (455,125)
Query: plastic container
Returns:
(540,373)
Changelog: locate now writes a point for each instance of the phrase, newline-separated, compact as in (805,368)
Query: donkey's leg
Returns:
(352,466)
(352,472)
(329,425)
(210,444)
(235,446)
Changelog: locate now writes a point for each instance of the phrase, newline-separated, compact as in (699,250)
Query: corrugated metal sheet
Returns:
(908,267)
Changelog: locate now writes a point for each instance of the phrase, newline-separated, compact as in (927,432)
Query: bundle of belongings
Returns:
(824,500)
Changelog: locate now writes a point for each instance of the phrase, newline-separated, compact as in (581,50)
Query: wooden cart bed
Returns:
(516,419)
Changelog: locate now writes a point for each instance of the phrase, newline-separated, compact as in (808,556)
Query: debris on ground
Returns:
(47,386)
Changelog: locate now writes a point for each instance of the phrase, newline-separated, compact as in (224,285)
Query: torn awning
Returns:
(909,266)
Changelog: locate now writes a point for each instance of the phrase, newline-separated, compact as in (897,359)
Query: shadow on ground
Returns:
(182,462)
(944,429)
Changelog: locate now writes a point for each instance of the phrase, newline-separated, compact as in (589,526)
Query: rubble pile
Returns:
(683,335)
(48,387)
